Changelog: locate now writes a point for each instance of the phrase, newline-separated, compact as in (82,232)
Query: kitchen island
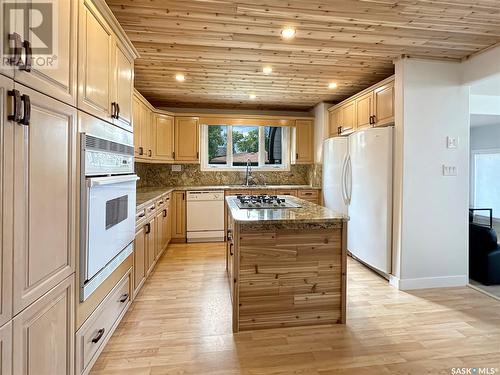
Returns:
(286,266)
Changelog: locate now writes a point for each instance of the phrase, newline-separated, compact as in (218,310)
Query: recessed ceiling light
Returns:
(267,70)
(180,77)
(332,85)
(252,96)
(288,32)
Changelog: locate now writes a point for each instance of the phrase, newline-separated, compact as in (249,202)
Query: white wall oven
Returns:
(108,189)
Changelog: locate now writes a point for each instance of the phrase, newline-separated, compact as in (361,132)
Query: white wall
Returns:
(485,137)
(320,113)
(433,104)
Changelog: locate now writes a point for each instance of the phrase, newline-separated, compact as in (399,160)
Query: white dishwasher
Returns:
(205,216)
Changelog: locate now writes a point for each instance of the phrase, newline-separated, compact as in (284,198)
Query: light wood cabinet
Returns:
(5,54)
(45,182)
(56,78)
(163,137)
(348,117)
(372,107)
(292,193)
(43,334)
(150,245)
(123,86)
(139,259)
(187,139)
(160,235)
(178,205)
(304,142)
(105,67)
(6,349)
(95,61)
(384,104)
(136,121)
(364,110)
(6,200)
(311,195)
(335,120)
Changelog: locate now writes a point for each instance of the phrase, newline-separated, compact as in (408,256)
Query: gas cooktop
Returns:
(264,201)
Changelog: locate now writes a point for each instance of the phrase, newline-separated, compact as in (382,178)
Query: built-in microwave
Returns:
(108,195)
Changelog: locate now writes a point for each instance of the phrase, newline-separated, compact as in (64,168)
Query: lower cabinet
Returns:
(150,245)
(98,328)
(178,205)
(43,333)
(139,258)
(6,349)
(312,196)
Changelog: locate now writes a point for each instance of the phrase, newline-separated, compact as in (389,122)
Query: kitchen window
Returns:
(485,178)
(231,147)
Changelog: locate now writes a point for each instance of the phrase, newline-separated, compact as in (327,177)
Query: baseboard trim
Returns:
(428,282)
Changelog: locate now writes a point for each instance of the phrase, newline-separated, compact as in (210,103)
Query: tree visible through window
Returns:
(233,146)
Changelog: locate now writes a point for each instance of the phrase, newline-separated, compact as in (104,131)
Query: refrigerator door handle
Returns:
(349,179)
(343,180)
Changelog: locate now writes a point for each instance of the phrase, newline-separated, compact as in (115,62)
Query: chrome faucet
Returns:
(248,173)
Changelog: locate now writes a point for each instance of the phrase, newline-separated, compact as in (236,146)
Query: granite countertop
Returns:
(307,213)
(147,194)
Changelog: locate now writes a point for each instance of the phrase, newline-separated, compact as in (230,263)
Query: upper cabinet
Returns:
(304,141)
(163,136)
(143,128)
(48,66)
(372,107)
(123,86)
(384,104)
(187,139)
(105,66)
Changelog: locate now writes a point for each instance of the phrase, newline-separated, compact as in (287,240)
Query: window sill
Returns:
(243,169)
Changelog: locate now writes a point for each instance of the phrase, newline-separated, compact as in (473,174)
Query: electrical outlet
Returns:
(449,170)
(176,168)
(451,142)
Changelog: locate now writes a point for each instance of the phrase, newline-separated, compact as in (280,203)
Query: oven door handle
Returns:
(100,181)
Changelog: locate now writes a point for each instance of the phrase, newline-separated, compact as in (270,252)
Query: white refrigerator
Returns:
(357,181)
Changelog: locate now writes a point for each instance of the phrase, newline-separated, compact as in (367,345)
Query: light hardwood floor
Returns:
(180,324)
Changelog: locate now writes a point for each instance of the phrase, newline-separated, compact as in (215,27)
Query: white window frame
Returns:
(472,197)
(284,166)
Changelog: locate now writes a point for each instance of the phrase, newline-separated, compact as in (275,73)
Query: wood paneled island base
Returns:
(286,267)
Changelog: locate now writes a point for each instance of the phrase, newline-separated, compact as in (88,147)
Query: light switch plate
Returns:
(176,168)
(451,142)
(449,170)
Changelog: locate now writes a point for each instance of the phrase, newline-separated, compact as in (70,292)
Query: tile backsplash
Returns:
(156,175)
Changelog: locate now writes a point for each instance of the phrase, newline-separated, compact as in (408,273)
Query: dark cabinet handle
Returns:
(229,235)
(27,110)
(231,249)
(142,214)
(197,155)
(297,156)
(113,110)
(173,154)
(339,130)
(165,213)
(16,116)
(374,119)
(150,153)
(99,335)
(148,228)
(17,47)
(141,150)
(117,111)
(27,64)
(124,298)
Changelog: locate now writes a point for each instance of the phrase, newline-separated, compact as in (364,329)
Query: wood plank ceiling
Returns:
(221,46)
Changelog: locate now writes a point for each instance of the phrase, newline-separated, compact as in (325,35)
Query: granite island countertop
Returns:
(308,213)
(144,195)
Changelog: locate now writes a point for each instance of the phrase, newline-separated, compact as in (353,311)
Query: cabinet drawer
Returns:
(95,332)
(140,215)
(293,193)
(308,194)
